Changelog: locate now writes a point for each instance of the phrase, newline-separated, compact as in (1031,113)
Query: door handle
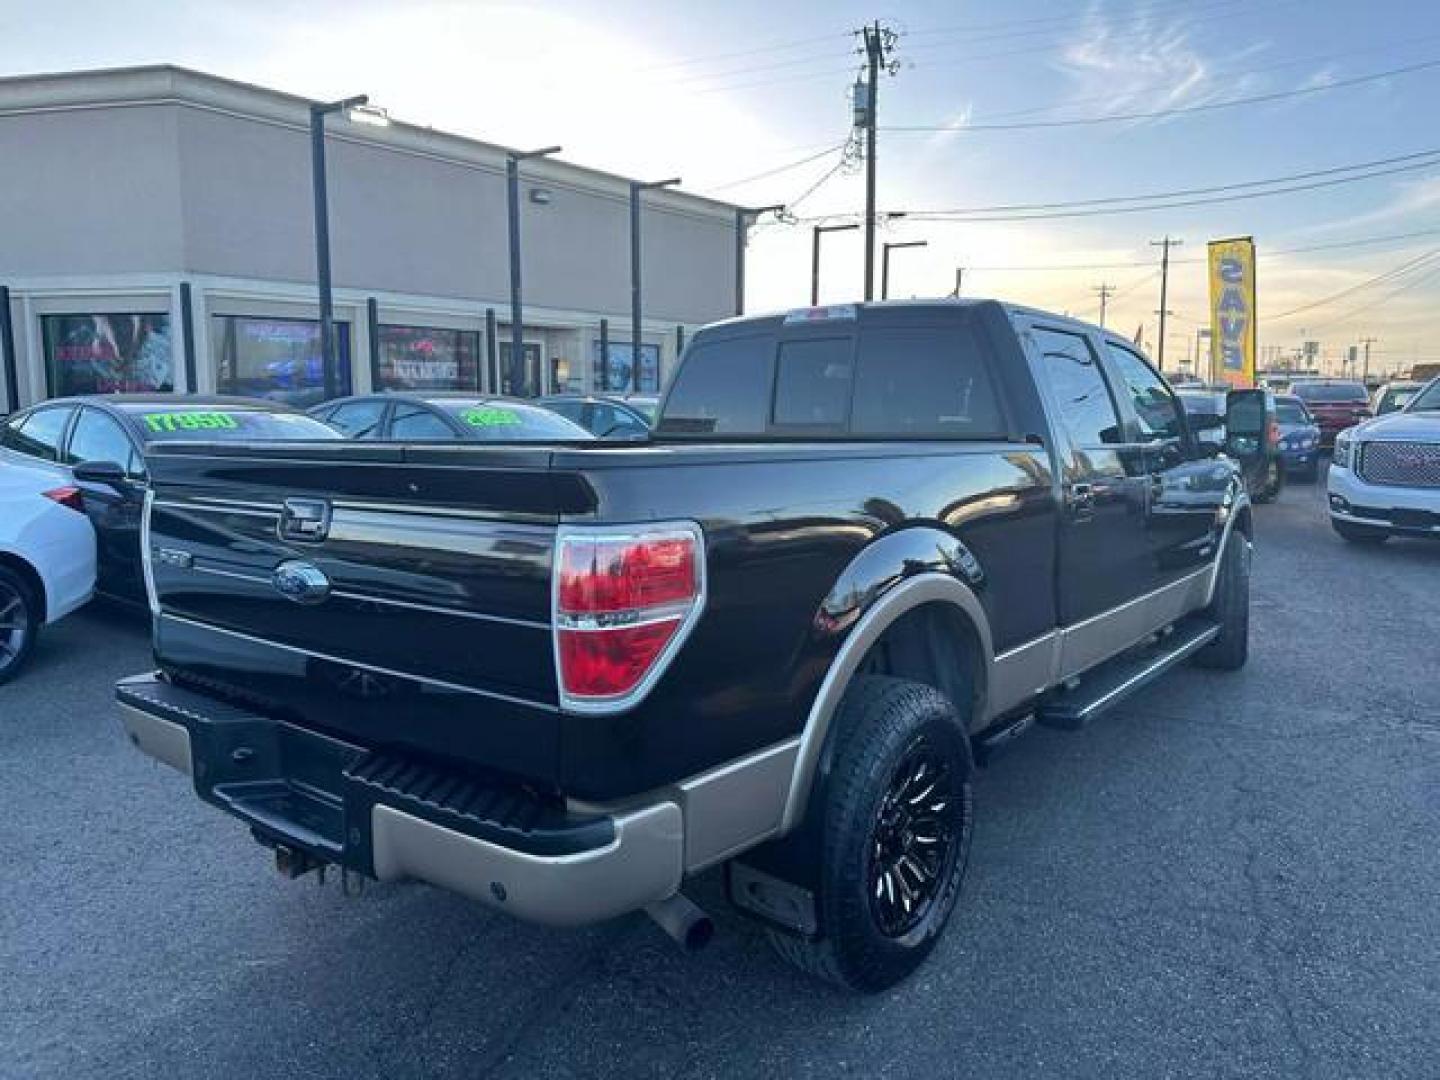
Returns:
(1081,500)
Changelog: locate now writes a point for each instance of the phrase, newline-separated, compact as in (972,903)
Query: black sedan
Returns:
(417,416)
(604,417)
(98,446)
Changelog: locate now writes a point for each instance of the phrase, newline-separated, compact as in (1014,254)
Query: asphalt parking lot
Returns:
(1233,875)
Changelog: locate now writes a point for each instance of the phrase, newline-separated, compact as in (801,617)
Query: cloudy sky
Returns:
(721,92)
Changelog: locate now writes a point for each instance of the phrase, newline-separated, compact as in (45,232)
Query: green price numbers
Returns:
(190,421)
(489,417)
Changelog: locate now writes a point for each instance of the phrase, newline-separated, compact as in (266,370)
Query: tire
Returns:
(1230,609)
(1360,534)
(19,623)
(885,730)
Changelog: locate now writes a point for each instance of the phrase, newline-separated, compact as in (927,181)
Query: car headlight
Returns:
(1342,451)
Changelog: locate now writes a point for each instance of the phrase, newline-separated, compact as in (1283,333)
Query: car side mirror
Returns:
(106,473)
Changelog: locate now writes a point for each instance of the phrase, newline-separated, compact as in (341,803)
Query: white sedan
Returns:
(47,558)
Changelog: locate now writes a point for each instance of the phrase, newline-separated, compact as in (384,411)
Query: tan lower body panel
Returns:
(163,740)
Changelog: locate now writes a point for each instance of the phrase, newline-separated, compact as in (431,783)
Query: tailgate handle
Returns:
(305,519)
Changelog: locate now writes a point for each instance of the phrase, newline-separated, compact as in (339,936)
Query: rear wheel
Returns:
(895,835)
(19,623)
(1230,608)
(1360,534)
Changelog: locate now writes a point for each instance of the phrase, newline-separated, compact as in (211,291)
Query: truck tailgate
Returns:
(431,627)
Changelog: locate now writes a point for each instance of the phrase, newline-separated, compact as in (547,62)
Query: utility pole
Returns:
(518,377)
(318,113)
(1164,245)
(1104,291)
(744,218)
(1367,342)
(959,277)
(878,43)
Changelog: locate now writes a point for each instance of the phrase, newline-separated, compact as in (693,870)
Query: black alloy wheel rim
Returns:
(913,842)
(14,625)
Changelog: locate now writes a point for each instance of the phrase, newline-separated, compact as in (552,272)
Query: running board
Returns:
(1115,680)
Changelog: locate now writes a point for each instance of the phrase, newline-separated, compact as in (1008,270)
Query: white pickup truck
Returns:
(1385,477)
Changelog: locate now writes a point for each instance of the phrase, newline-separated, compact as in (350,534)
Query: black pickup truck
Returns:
(865,547)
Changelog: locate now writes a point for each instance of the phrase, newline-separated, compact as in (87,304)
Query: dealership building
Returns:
(157,234)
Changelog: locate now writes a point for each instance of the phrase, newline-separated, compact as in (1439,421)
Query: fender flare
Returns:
(1237,509)
(926,588)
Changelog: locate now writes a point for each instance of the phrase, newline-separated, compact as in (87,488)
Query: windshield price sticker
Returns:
(191,421)
(490,417)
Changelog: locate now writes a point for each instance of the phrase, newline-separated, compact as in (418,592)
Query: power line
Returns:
(1371,306)
(1393,272)
(780,168)
(1158,114)
(783,46)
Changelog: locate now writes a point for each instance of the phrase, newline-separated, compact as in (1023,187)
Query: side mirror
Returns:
(1250,427)
(107,473)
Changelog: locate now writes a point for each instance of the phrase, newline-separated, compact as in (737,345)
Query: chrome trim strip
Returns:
(253,579)
(494,695)
(1242,501)
(921,589)
(479,616)
(518,519)
(215,508)
(147,569)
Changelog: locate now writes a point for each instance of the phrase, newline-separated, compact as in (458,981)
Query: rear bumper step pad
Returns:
(391,816)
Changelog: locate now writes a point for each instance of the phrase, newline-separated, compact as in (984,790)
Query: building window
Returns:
(424,358)
(107,354)
(614,370)
(277,358)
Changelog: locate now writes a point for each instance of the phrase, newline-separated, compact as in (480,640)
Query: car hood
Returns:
(1402,427)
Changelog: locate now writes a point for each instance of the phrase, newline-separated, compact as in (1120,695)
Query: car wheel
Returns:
(1230,608)
(19,623)
(895,836)
(1360,534)
(1273,482)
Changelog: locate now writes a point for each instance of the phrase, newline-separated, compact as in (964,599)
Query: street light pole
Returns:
(744,218)
(318,112)
(635,189)
(885,262)
(512,194)
(815,256)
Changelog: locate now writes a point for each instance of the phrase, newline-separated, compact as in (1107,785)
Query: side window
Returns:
(1154,403)
(40,432)
(358,419)
(1072,371)
(921,383)
(616,423)
(418,422)
(812,382)
(98,437)
(722,388)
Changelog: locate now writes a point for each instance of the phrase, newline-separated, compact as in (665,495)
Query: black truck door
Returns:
(1103,547)
(1186,488)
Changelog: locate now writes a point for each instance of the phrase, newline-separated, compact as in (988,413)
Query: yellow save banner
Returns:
(1232,311)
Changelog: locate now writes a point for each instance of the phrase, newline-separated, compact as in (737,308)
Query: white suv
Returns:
(1385,477)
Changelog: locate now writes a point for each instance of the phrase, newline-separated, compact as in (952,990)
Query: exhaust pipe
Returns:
(687,925)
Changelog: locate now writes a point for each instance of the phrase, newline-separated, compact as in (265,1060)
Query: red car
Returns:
(1336,405)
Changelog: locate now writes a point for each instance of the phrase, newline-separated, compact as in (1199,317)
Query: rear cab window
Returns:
(909,377)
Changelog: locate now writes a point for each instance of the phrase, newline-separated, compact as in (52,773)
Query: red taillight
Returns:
(67,496)
(622,603)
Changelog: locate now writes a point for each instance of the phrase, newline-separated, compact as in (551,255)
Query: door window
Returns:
(1072,372)
(98,437)
(1155,405)
(358,419)
(39,433)
(418,422)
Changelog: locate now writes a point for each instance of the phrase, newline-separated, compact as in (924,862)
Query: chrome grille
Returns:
(1402,464)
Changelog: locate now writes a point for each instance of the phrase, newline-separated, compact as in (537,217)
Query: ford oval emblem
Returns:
(302,582)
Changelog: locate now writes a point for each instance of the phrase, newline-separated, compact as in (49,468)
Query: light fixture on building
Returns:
(370,115)
(540,196)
